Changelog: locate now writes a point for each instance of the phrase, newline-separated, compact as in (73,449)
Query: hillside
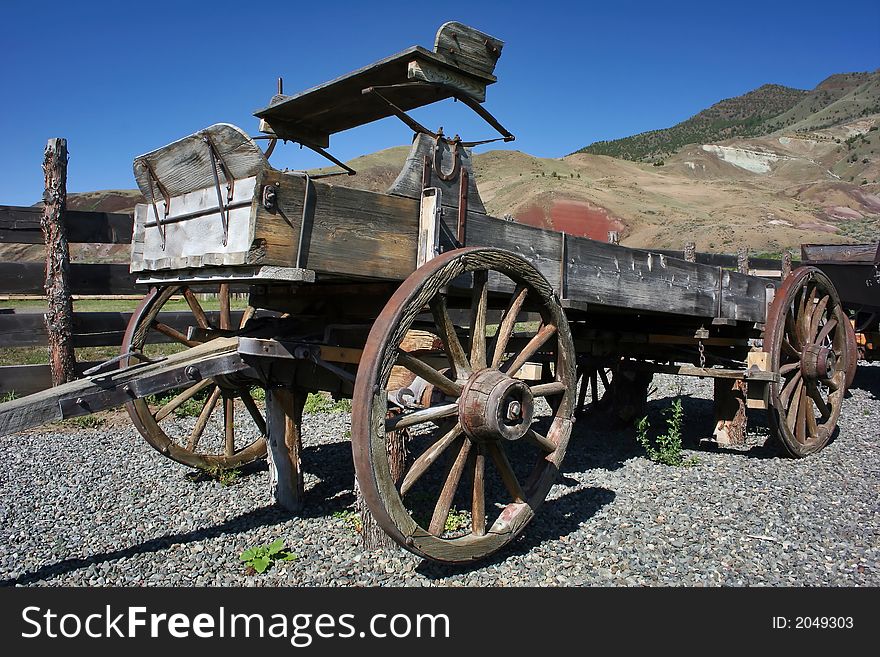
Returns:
(808,173)
(733,117)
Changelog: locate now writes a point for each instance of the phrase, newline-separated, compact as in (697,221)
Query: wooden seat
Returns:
(186,165)
(462,63)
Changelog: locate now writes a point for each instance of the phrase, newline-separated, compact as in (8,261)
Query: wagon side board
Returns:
(361,235)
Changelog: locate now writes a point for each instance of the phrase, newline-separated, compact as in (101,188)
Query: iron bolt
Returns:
(514,410)
(192,372)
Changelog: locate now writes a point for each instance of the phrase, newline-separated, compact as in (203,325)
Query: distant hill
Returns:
(767,109)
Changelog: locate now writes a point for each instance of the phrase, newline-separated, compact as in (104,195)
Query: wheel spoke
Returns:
(174,334)
(229,425)
(196,308)
(202,420)
(540,441)
(444,502)
(225,311)
(479,303)
(246,316)
(186,395)
(816,395)
(789,350)
(809,412)
(540,338)
(804,319)
(801,431)
(478,498)
(785,369)
(795,404)
(794,336)
(785,395)
(548,389)
(511,483)
(817,316)
(508,324)
(455,352)
(252,408)
(424,461)
(418,417)
(428,373)
(826,330)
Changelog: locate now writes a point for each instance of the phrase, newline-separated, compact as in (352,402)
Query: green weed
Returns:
(321,403)
(259,558)
(666,448)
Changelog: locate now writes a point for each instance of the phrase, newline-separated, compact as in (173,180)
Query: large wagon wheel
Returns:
(213,440)
(499,468)
(807,341)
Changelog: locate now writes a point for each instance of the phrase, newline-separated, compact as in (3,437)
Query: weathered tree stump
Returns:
(742,260)
(372,535)
(59,314)
(284,410)
(613,237)
(730,412)
(690,251)
(629,394)
(786,265)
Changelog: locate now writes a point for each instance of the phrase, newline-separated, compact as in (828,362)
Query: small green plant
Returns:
(320,403)
(223,476)
(85,421)
(8,396)
(666,448)
(259,558)
(349,517)
(456,520)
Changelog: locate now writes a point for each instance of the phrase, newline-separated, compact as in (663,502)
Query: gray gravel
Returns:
(99,507)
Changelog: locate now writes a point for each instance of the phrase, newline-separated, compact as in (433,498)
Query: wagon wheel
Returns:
(499,468)
(213,439)
(807,341)
(589,375)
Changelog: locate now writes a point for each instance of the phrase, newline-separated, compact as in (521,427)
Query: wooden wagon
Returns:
(467,343)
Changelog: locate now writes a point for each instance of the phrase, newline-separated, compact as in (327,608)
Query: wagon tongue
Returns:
(106,390)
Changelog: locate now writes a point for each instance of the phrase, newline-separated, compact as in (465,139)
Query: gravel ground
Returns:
(99,507)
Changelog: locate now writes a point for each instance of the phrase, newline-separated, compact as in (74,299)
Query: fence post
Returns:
(786,264)
(742,260)
(690,251)
(59,315)
(613,237)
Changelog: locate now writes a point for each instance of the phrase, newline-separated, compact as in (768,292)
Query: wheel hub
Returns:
(494,405)
(818,362)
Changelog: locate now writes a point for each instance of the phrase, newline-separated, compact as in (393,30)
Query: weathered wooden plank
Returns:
(186,165)
(348,231)
(468,48)
(609,275)
(103,279)
(813,253)
(21,225)
(743,297)
(94,329)
(425,71)
(726,260)
(540,247)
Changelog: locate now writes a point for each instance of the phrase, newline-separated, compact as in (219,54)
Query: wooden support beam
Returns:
(690,251)
(742,260)
(284,410)
(786,264)
(59,315)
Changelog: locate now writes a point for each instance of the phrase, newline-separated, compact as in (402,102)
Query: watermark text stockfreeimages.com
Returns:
(299,629)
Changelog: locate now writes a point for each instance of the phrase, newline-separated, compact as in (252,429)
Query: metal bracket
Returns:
(105,366)
(430,213)
(164,192)
(230,186)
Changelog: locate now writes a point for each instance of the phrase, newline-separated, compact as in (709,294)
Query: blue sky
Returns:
(135,76)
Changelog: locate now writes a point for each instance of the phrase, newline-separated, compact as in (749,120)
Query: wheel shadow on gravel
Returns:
(262,517)
(868,379)
(602,441)
(556,519)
